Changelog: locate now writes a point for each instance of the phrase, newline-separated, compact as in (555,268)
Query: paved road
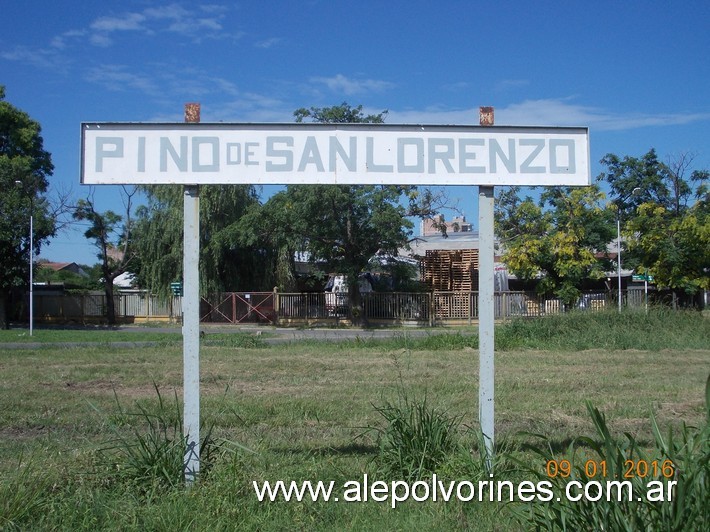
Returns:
(272,335)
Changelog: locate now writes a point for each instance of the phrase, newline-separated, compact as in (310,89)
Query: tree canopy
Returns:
(25,168)
(226,264)
(665,213)
(560,239)
(341,227)
(111,233)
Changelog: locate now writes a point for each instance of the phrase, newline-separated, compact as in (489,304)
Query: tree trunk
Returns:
(4,310)
(285,270)
(357,315)
(110,307)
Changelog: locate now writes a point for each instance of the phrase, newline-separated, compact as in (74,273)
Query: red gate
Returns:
(239,307)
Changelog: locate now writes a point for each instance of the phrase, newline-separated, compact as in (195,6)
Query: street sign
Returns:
(641,277)
(176,288)
(367,154)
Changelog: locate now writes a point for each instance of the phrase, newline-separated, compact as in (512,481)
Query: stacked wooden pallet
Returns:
(451,270)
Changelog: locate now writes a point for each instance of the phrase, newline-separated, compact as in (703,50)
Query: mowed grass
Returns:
(304,411)
(58,335)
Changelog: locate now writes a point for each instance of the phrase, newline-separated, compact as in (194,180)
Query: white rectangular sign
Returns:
(184,153)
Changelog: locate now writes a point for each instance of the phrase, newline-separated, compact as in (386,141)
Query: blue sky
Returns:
(636,73)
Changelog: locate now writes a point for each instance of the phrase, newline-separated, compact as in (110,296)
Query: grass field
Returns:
(310,410)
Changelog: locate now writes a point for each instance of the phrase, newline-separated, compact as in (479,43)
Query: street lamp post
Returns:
(618,255)
(618,239)
(19,184)
(32,281)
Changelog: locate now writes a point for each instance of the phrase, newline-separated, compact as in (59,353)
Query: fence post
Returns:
(430,295)
(277,304)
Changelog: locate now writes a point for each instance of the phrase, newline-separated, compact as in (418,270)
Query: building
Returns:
(72,267)
(450,262)
(434,226)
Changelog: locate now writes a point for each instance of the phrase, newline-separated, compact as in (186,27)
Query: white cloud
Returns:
(507,84)
(172,11)
(563,112)
(118,78)
(60,42)
(457,86)
(127,22)
(268,43)
(348,86)
(34,56)
(433,116)
(196,24)
(549,112)
(100,39)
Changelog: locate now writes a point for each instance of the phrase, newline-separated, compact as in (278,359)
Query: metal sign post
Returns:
(486,309)
(191,331)
(486,319)
(191,321)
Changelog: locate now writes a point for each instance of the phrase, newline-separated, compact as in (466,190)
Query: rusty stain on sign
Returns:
(192,112)
(485,116)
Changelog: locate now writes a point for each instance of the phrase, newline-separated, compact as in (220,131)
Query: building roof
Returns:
(64,266)
(453,241)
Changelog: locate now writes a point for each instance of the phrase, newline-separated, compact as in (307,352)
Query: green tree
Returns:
(225,262)
(340,226)
(338,114)
(559,239)
(25,167)
(666,225)
(111,233)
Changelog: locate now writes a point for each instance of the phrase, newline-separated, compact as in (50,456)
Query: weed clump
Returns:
(148,447)
(417,439)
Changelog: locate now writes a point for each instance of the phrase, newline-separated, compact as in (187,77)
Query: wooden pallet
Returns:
(451,270)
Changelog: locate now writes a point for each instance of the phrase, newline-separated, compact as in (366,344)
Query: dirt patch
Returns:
(682,410)
(23,433)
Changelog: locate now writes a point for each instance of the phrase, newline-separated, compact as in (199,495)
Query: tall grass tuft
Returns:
(683,458)
(22,495)
(632,329)
(417,439)
(148,447)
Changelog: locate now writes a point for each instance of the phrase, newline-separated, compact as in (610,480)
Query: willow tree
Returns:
(226,264)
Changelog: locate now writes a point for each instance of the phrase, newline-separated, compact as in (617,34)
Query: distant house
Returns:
(72,267)
(433,227)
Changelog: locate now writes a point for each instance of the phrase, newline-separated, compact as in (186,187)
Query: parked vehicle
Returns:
(336,292)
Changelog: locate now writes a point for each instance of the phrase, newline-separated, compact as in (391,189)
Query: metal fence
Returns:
(274,308)
(432,307)
(141,304)
(70,306)
(239,307)
(135,305)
